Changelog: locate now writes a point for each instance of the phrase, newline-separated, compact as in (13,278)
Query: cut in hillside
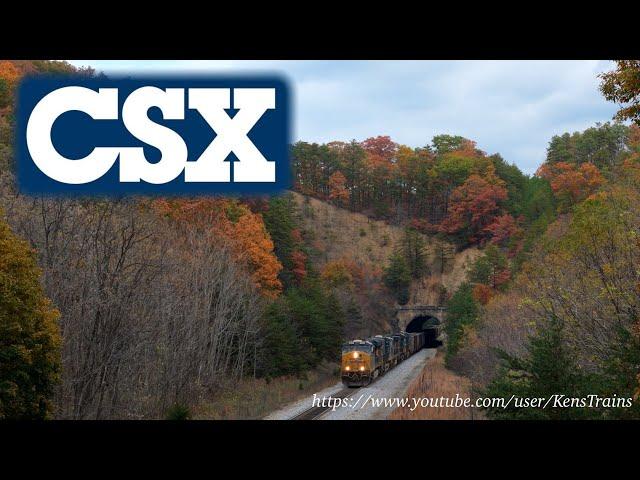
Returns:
(341,235)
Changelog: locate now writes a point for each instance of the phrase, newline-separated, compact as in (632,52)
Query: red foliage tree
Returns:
(502,230)
(474,204)
(423,225)
(296,235)
(500,277)
(299,269)
(381,146)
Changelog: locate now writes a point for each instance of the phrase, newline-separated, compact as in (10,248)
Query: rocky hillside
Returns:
(339,234)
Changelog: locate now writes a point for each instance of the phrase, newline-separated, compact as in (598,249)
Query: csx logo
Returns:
(152,135)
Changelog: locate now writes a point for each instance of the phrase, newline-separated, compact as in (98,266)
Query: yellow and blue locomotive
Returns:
(364,360)
(360,363)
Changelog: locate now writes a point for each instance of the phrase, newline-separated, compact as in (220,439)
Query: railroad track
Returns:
(314,412)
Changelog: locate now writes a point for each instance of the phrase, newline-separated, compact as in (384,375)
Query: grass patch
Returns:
(436,381)
(253,398)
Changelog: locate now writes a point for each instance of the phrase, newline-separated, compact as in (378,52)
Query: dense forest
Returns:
(449,188)
(148,307)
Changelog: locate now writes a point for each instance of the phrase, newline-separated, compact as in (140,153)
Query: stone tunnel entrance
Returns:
(430,326)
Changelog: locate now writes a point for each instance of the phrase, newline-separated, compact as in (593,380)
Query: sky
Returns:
(507,107)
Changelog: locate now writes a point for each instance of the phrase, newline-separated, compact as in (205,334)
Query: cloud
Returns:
(507,107)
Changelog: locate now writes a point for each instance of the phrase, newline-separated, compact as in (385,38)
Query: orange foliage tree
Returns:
(233,222)
(571,183)
(337,274)
(338,190)
(482,293)
(8,71)
(9,76)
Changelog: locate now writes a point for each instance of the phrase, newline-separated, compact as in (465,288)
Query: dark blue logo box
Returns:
(75,134)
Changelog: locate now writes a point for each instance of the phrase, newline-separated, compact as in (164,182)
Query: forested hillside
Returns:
(448,186)
(568,323)
(354,251)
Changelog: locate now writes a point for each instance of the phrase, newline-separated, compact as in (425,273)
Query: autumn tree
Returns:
(338,273)
(629,170)
(483,293)
(299,269)
(29,334)
(157,307)
(580,298)
(381,146)
(571,183)
(474,206)
(338,191)
(425,186)
(9,75)
(622,86)
(251,243)
(502,230)
(233,221)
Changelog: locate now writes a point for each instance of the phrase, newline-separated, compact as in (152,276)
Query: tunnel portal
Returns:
(428,324)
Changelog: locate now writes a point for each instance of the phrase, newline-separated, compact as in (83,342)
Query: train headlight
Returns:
(347,368)
(356,354)
(362,369)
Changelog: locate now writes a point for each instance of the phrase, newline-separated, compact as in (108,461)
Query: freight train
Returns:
(364,360)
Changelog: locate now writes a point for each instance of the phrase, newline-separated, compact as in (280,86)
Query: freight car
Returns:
(364,360)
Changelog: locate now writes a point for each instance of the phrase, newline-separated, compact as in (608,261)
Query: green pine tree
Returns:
(462,312)
(397,278)
(548,369)
(414,250)
(280,221)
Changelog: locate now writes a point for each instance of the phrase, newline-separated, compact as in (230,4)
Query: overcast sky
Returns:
(507,107)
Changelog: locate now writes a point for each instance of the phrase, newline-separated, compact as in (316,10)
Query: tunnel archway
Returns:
(428,324)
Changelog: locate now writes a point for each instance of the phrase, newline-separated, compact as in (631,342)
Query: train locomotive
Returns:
(364,360)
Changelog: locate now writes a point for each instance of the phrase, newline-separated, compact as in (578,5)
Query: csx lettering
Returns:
(210,103)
